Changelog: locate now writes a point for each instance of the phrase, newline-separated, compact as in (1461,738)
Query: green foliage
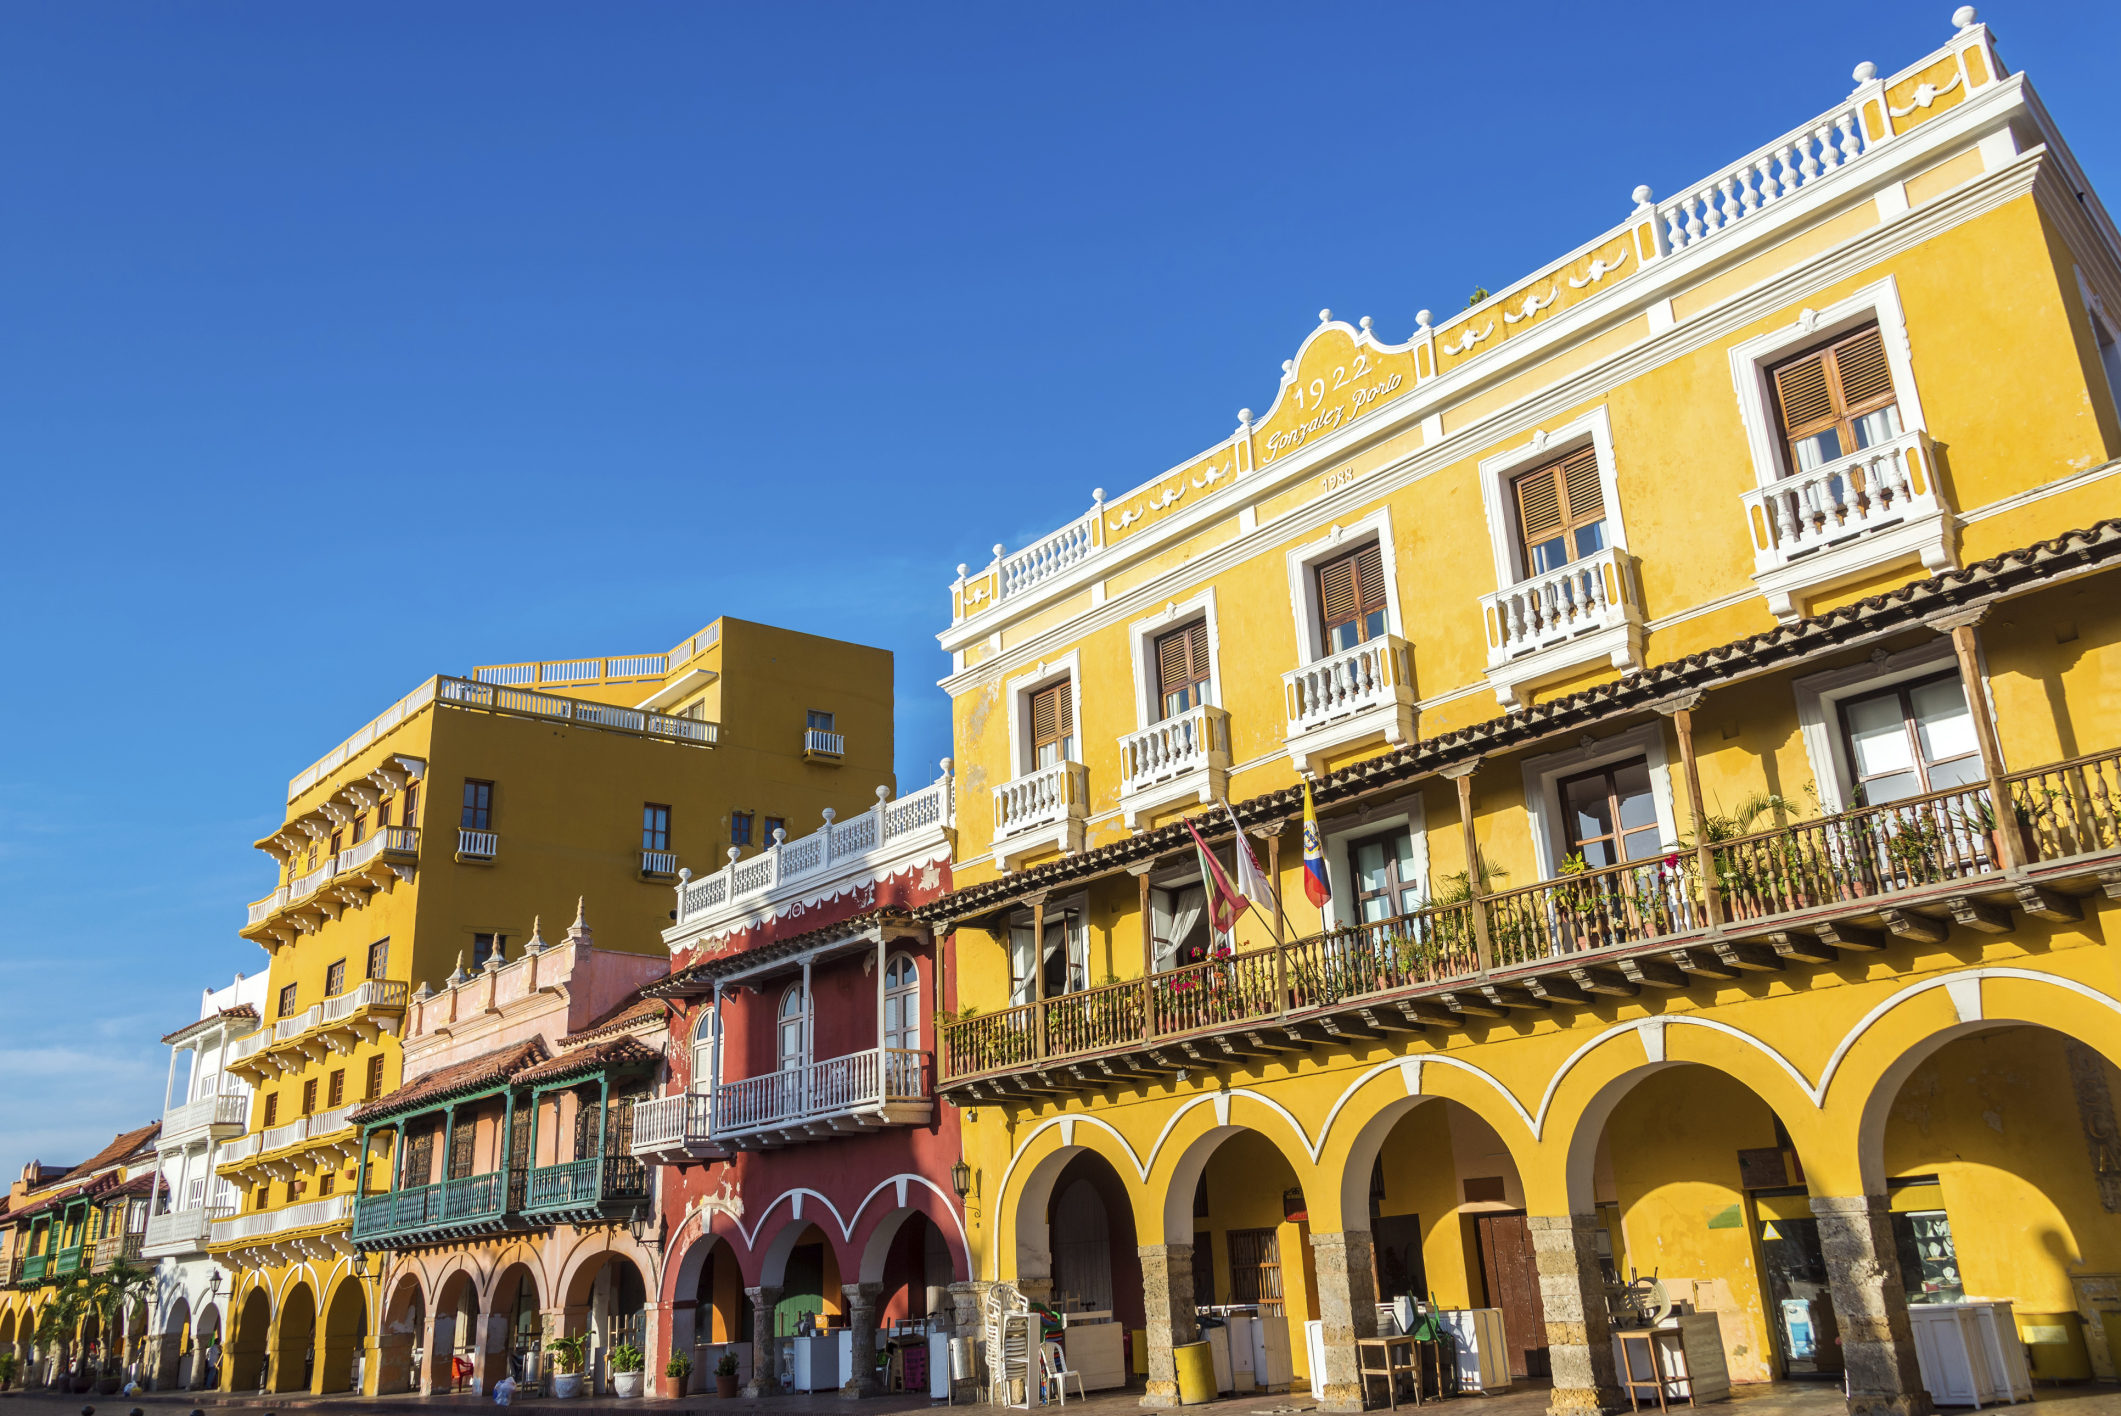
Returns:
(7,1369)
(567,1354)
(626,1358)
(727,1366)
(1480,293)
(678,1367)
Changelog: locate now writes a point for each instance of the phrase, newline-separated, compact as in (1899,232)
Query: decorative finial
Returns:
(1288,368)
(997,550)
(883,794)
(734,852)
(1365,323)
(425,990)
(459,976)
(961,569)
(494,960)
(1324,315)
(1644,196)
(1244,417)
(780,835)
(684,874)
(831,815)
(1097,494)
(1422,318)
(1865,72)
(1965,16)
(947,764)
(578,932)
(536,944)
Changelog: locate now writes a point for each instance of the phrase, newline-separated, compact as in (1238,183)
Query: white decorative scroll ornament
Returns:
(1925,95)
(1807,320)
(1126,518)
(1600,269)
(1532,305)
(1211,474)
(1539,439)
(1467,339)
(1171,494)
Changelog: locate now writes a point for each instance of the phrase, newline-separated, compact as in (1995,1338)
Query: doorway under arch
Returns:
(245,1353)
(341,1361)
(294,1359)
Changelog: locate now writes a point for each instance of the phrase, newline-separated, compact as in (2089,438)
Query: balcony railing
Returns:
(1347,682)
(303,1128)
(1190,742)
(239,1149)
(676,1128)
(1524,946)
(295,1024)
(1838,501)
(182,1231)
(525,703)
(823,852)
(1042,798)
(31,1268)
(263,910)
(386,842)
(69,1260)
(264,1224)
(244,1046)
(307,885)
(477,845)
(469,1204)
(114,1248)
(371,993)
(661,864)
(231,1109)
(872,1081)
(819,743)
(1593,593)
(576,1186)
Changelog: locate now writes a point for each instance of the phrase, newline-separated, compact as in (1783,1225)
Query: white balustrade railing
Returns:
(393,839)
(243,1046)
(820,1090)
(382,723)
(1050,556)
(1866,491)
(1041,798)
(181,1230)
(221,1109)
(828,744)
(505,699)
(1595,592)
(300,1023)
(479,845)
(373,993)
(292,1133)
(1777,170)
(337,1119)
(673,1122)
(659,862)
(1347,682)
(265,1223)
(1186,743)
(241,1148)
(309,884)
(823,851)
(262,910)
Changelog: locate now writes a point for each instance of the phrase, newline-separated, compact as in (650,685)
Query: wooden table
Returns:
(1401,1356)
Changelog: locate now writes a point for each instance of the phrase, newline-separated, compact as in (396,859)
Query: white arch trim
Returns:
(1966,1002)
(1652,1030)
(896,1184)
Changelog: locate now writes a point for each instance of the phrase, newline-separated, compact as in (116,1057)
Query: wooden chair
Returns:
(1653,1356)
(1401,1359)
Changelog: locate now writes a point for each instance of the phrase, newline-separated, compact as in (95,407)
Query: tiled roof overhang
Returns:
(698,980)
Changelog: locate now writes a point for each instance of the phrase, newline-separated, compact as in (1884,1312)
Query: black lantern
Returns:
(961,1179)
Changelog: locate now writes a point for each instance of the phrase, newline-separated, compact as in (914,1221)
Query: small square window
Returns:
(375,1078)
(739,828)
(272,1110)
(309,1097)
(478,806)
(378,958)
(326,1181)
(822,722)
(655,827)
(773,824)
(486,946)
(335,979)
(287,1001)
(337,1094)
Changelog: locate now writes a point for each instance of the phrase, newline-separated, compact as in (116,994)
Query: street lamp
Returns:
(961,1178)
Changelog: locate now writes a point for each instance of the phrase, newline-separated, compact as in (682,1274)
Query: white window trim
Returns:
(1019,691)
(2107,354)
(1594,428)
(1750,362)
(1819,698)
(1340,867)
(1143,633)
(1542,786)
(915,992)
(1303,583)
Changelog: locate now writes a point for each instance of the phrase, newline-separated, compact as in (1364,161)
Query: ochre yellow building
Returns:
(427,847)
(1658,637)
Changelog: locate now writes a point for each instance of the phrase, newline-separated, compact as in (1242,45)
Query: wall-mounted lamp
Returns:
(961,1179)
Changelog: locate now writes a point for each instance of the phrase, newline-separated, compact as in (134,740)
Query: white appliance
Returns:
(1481,1351)
(1315,1355)
(817,1361)
(1969,1353)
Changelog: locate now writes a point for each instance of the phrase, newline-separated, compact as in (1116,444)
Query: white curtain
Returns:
(1173,914)
(1020,963)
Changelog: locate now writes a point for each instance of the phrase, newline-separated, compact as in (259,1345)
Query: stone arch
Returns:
(175,1316)
(1182,1164)
(244,1353)
(1363,1119)
(342,1336)
(881,1221)
(773,1258)
(294,1339)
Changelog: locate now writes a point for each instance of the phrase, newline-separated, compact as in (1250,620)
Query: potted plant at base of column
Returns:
(626,1363)
(677,1373)
(566,1365)
(725,1383)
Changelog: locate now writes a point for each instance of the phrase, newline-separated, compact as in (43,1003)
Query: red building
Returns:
(805,1161)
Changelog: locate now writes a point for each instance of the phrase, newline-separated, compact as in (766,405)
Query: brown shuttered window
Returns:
(1351,598)
(335,1094)
(1182,669)
(1053,725)
(335,979)
(1255,1269)
(1836,400)
(375,1078)
(1561,511)
(460,1142)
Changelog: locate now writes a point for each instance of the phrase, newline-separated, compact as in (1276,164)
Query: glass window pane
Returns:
(1589,539)
(1373,625)
(1404,846)
(1550,555)
(1879,735)
(1641,845)
(1587,808)
(1375,908)
(1946,728)
(1597,854)
(1878,427)
(1880,790)
(1817,450)
(1631,783)
(1956,773)
(1370,866)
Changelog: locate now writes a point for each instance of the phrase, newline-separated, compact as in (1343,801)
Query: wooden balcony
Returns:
(879,1086)
(1797,897)
(591,1191)
(112,1248)
(442,1213)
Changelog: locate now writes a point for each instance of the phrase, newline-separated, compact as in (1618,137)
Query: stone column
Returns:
(165,1362)
(1572,1289)
(1863,1276)
(391,1367)
(1347,1304)
(1167,1304)
(436,1349)
(490,1345)
(765,1351)
(860,1301)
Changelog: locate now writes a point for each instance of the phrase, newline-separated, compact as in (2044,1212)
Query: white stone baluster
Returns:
(1675,234)
(1729,187)
(1694,229)
(1757,192)
(1790,179)
(1829,159)
(1851,149)
(1807,164)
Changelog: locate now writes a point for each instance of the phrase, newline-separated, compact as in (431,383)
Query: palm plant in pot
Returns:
(725,1373)
(566,1365)
(626,1364)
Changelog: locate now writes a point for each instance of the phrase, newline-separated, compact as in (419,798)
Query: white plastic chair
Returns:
(1054,1359)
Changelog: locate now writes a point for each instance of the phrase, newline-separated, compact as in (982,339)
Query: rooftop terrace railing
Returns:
(1916,851)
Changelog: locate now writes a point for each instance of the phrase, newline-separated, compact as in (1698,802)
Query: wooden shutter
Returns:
(585,1127)
(1181,659)
(1580,487)
(1865,375)
(1350,587)
(1830,386)
(1807,399)
(1052,714)
(1255,1268)
(460,1142)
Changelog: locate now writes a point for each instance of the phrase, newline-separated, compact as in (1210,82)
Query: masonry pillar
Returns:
(490,1347)
(765,1350)
(1347,1305)
(1863,1276)
(1167,1305)
(860,1301)
(165,1362)
(437,1347)
(390,1370)
(1572,1289)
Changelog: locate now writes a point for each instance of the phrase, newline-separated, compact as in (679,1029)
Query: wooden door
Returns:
(1512,1274)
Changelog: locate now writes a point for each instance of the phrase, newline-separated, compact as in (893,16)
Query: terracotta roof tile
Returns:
(580,1061)
(239,1012)
(472,1074)
(121,1146)
(631,1009)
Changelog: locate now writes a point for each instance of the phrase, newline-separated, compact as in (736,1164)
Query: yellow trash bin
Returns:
(2055,1344)
(1196,1373)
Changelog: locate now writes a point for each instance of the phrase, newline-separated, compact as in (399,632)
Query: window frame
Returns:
(1044,674)
(655,826)
(1570,522)
(376,964)
(911,1011)
(335,978)
(1065,740)
(1198,683)
(1544,774)
(289,999)
(484,810)
(1819,697)
(1843,422)
(1302,564)
(1498,483)
(749,820)
(1903,690)
(1751,360)
(1340,842)
(1142,635)
(811,717)
(1363,609)
(1572,845)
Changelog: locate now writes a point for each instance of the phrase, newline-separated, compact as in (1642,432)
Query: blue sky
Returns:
(342,345)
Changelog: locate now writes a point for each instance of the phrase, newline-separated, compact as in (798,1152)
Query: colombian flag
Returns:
(1316,888)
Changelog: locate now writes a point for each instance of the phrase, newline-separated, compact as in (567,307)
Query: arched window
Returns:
(902,1004)
(703,1051)
(793,1033)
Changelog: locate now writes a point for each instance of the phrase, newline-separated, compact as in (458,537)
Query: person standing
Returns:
(213,1365)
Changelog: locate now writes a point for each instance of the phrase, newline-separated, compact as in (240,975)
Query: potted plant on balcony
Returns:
(677,1374)
(626,1363)
(725,1373)
(566,1365)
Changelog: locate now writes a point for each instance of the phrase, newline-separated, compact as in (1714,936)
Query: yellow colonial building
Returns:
(1703,656)
(424,849)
